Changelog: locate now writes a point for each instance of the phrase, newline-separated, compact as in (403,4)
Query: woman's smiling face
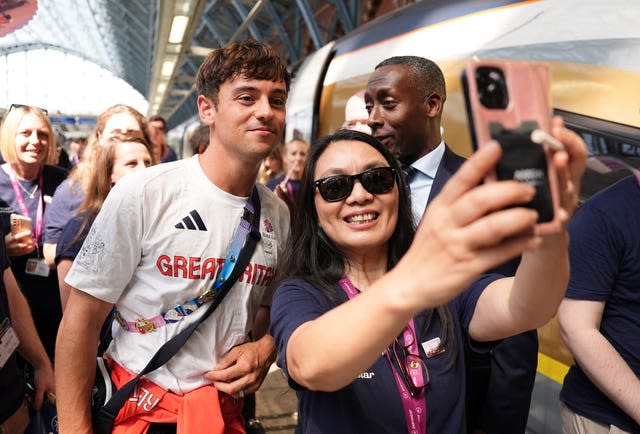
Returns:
(32,139)
(363,222)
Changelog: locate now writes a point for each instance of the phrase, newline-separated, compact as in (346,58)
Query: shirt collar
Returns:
(428,164)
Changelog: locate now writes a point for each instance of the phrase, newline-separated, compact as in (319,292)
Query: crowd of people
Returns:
(392,289)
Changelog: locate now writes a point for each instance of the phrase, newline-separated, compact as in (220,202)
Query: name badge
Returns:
(8,341)
(37,267)
(433,347)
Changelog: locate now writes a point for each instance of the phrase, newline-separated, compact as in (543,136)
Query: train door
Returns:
(304,95)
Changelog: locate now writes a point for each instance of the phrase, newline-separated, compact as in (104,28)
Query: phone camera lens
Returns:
(492,88)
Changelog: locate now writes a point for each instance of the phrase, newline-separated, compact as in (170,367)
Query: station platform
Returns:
(276,404)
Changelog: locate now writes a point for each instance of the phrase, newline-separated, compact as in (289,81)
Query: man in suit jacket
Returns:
(404,97)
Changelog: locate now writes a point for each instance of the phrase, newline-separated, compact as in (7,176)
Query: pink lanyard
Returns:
(290,191)
(37,230)
(415,407)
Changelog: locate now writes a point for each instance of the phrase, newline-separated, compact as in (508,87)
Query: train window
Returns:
(604,139)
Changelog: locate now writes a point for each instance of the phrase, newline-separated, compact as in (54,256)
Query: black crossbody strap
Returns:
(171,347)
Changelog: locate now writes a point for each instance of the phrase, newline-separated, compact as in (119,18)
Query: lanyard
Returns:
(177,313)
(243,229)
(36,232)
(292,194)
(415,408)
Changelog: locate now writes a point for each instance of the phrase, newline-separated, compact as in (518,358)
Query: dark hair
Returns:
(249,59)
(158,118)
(199,139)
(425,73)
(311,256)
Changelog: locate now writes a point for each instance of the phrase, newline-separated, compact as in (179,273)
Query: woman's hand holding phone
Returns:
(509,102)
(19,240)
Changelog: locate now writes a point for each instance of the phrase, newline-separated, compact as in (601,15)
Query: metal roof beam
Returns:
(143,28)
(199,51)
(191,65)
(127,47)
(209,6)
(180,92)
(189,79)
(230,20)
(143,6)
(354,7)
(293,55)
(182,113)
(247,20)
(344,16)
(212,28)
(310,21)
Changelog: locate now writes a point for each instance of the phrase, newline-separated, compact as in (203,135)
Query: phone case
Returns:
(507,101)
(20,223)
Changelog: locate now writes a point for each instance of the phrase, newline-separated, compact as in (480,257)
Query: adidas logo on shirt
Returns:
(192,222)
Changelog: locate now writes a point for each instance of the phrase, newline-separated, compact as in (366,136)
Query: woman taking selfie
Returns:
(27,183)
(370,321)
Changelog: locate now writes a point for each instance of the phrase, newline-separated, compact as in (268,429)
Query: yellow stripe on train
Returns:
(552,368)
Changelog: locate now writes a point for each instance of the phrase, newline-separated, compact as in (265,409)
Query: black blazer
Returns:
(498,399)
(449,164)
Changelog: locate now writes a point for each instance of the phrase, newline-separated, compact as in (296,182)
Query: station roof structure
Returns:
(156,46)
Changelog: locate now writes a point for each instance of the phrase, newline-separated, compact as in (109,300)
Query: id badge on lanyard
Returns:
(35,266)
(8,341)
(414,407)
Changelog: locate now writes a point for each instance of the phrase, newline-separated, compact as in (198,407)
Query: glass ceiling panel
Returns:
(62,83)
(128,38)
(118,35)
(80,46)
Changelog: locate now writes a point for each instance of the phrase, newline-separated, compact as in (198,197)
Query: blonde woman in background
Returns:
(294,157)
(28,180)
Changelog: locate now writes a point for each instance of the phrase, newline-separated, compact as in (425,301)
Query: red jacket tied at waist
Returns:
(201,411)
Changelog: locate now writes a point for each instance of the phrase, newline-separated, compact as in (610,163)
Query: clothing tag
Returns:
(432,347)
(8,341)
(37,267)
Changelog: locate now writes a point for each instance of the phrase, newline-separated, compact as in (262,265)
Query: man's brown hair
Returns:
(250,59)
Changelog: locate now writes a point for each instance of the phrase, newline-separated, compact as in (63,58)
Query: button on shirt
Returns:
(421,181)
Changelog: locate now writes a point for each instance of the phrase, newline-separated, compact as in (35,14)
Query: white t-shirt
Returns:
(147,253)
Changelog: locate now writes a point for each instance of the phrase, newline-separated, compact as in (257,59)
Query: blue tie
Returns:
(409,172)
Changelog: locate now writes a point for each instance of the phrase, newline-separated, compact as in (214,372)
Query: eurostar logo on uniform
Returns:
(192,222)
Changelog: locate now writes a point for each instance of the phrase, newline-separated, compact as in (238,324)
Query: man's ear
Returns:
(433,105)
(206,110)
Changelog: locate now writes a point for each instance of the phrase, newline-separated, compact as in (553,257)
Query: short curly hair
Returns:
(424,72)
(249,59)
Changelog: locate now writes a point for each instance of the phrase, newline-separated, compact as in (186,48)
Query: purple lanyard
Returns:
(415,407)
(36,232)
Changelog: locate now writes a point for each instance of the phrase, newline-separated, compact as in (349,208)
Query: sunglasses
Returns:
(411,365)
(338,187)
(17,106)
